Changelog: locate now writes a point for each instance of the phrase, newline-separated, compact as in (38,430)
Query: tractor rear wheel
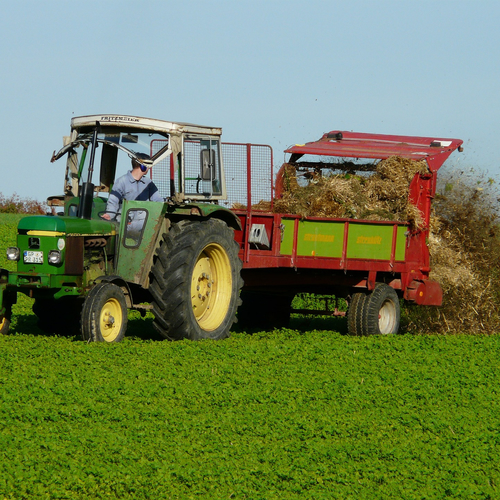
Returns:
(195,281)
(104,314)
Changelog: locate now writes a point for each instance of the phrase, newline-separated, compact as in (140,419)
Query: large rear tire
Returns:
(104,314)
(195,281)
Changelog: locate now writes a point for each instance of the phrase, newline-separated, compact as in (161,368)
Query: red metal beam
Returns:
(379,146)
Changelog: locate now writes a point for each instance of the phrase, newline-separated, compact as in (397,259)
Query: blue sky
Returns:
(271,72)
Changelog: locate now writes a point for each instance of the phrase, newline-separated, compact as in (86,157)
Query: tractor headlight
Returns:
(54,257)
(13,253)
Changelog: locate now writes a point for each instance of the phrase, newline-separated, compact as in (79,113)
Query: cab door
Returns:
(140,225)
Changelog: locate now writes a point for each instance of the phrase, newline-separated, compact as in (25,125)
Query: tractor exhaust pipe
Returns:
(87,191)
(86,201)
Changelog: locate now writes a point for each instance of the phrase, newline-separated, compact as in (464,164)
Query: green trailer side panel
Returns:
(369,241)
(401,243)
(326,239)
(315,238)
(320,239)
(287,239)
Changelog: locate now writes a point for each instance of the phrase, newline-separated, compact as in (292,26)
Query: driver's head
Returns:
(136,163)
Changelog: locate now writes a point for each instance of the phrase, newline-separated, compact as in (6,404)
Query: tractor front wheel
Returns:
(104,314)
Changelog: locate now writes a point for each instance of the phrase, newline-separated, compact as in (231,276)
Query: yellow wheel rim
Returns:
(111,320)
(211,287)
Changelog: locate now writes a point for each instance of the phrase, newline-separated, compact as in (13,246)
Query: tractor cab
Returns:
(184,160)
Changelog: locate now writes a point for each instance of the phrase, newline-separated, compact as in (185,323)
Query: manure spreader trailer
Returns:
(216,249)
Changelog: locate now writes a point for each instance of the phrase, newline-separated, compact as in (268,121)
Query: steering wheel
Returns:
(114,214)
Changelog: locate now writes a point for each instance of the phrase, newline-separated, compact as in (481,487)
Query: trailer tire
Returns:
(356,313)
(195,281)
(104,314)
(382,312)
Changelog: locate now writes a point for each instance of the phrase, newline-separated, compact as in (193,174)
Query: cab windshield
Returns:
(114,152)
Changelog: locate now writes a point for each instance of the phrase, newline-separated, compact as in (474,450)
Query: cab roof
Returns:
(378,146)
(138,122)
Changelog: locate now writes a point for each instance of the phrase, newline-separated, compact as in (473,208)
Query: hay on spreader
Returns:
(380,196)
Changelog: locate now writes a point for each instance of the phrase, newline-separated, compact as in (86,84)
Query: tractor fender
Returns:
(118,281)
(205,211)
(231,219)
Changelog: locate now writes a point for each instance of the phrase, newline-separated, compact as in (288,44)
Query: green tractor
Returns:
(176,258)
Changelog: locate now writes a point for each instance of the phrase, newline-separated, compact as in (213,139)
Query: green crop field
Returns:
(305,413)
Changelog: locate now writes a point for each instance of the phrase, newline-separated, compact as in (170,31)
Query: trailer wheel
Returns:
(61,316)
(355,314)
(104,314)
(382,312)
(195,281)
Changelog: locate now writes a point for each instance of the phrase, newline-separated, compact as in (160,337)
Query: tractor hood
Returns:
(65,225)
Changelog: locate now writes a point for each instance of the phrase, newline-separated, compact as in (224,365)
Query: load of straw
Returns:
(381,196)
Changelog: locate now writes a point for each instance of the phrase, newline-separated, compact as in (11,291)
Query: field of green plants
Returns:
(304,412)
